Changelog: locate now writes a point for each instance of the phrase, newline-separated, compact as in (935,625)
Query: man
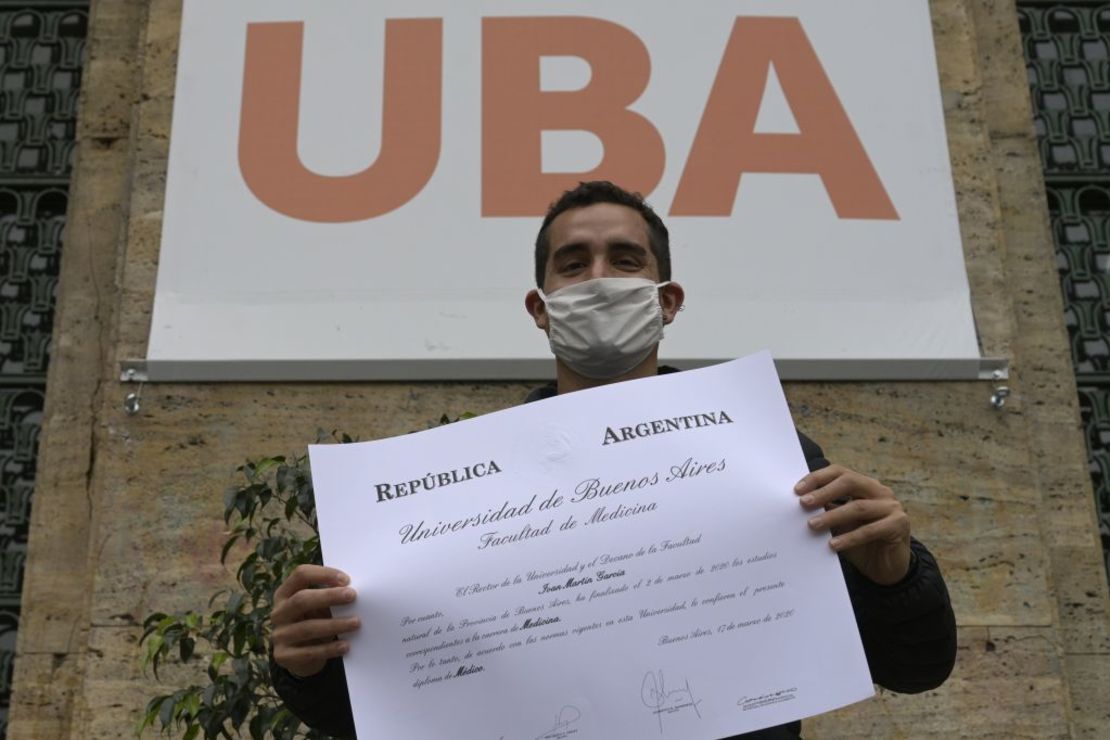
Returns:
(604,294)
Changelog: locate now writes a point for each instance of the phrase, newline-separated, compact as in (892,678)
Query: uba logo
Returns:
(515,112)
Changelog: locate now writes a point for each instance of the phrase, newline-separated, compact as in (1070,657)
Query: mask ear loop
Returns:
(663,313)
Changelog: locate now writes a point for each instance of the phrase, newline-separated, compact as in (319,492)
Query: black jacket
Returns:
(908,632)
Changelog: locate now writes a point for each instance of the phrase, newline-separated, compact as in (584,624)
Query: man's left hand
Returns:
(869,526)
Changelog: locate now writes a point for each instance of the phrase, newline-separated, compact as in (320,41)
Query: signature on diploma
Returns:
(656,697)
(747,703)
(564,724)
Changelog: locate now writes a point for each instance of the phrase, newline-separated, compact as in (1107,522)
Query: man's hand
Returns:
(870,527)
(304,631)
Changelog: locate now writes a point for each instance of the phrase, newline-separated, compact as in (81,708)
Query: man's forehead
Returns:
(598,221)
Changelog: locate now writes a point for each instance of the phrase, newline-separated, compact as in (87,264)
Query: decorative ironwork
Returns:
(41,52)
(40,72)
(1067,52)
(1067,49)
(31,222)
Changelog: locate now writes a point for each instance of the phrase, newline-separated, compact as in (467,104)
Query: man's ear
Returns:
(536,308)
(671,298)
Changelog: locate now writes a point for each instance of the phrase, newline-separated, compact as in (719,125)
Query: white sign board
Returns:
(354,188)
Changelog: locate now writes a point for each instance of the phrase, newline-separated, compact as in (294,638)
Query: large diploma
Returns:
(623,562)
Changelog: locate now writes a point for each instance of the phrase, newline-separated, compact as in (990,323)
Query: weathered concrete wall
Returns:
(127,514)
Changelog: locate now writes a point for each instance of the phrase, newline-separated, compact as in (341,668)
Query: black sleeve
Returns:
(908,629)
(815,458)
(320,701)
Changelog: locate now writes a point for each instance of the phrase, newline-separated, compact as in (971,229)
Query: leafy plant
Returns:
(272,525)
(271,516)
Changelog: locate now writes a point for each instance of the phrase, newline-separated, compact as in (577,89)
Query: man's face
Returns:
(601,240)
(596,241)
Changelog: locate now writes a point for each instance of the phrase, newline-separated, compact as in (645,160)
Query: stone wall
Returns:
(127,512)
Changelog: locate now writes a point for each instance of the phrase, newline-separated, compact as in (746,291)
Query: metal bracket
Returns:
(994,368)
(133,371)
(133,402)
(1001,392)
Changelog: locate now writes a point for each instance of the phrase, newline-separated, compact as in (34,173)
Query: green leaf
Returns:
(306,500)
(218,659)
(153,646)
(192,732)
(151,713)
(241,668)
(153,620)
(267,464)
(209,694)
(165,714)
(271,525)
(257,727)
(230,543)
(271,547)
(238,640)
(186,647)
(240,710)
(230,495)
(192,703)
(245,574)
(285,478)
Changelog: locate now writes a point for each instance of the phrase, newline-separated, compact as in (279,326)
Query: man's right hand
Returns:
(305,635)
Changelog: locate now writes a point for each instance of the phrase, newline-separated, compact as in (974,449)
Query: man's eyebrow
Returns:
(629,247)
(568,248)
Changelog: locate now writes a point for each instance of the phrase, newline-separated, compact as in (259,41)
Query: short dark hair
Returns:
(603,191)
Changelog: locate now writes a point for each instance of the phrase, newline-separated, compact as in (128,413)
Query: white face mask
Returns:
(604,327)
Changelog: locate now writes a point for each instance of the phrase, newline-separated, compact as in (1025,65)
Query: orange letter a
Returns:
(515,111)
(410,135)
(726,145)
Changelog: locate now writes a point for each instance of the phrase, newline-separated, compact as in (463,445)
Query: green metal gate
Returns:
(1067,53)
(41,52)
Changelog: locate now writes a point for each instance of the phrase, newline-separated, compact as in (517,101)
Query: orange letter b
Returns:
(515,112)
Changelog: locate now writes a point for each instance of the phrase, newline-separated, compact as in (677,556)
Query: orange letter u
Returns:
(410,135)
